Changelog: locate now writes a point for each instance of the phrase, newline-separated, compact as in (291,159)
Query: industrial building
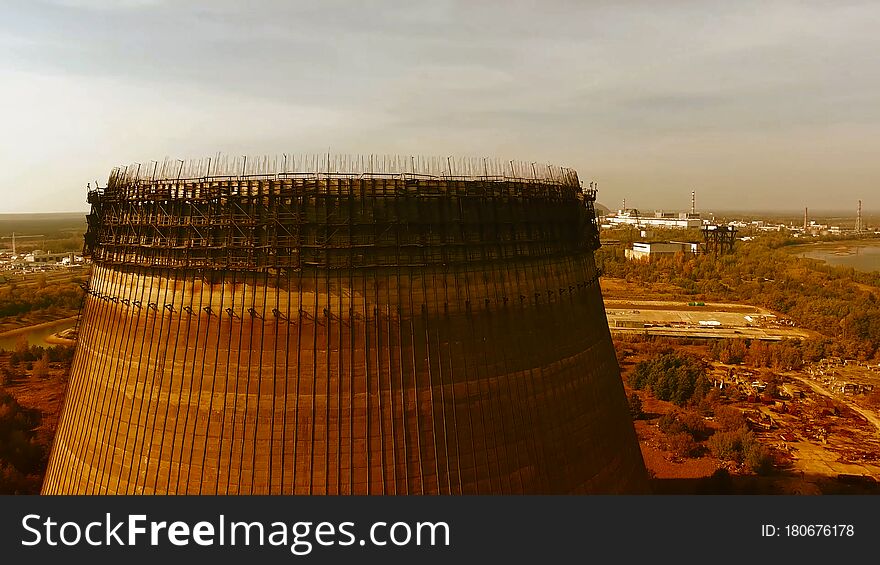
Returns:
(660,219)
(646,251)
(333,325)
(44,258)
(38,260)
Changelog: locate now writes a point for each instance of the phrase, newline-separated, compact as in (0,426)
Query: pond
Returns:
(859,257)
(36,335)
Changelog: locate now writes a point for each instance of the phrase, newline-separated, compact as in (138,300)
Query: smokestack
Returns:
(624,204)
(859,218)
(13,244)
(693,202)
(805,218)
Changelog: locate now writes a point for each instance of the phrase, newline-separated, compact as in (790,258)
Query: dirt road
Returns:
(869,415)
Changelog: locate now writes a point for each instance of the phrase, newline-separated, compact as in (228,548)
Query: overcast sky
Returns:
(755,105)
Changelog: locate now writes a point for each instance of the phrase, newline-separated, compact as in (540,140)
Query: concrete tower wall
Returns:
(328,334)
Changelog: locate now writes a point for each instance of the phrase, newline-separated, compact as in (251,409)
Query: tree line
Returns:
(62,297)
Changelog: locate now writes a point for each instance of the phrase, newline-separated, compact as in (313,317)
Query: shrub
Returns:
(694,424)
(41,367)
(635,406)
(682,444)
(741,446)
(726,446)
(669,423)
(757,458)
(689,422)
(710,401)
(729,418)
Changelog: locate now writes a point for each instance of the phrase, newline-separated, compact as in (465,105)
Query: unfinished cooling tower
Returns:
(395,326)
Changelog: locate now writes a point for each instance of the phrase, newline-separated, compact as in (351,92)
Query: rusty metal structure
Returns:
(344,325)
(718,240)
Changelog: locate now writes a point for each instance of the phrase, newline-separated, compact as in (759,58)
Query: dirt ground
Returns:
(824,435)
(819,444)
(661,463)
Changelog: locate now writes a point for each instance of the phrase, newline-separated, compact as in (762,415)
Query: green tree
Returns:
(671,376)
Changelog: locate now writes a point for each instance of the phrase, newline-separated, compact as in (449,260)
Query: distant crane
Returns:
(15,237)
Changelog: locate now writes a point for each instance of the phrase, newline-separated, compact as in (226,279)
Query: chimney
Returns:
(859,218)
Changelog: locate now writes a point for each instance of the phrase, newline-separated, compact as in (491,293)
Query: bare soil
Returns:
(819,444)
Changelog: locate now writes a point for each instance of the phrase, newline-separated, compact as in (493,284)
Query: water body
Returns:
(859,257)
(36,336)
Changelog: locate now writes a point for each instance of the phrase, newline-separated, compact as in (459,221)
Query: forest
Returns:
(60,298)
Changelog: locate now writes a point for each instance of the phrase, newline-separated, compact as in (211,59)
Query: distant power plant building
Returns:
(344,326)
(646,251)
(660,219)
(40,257)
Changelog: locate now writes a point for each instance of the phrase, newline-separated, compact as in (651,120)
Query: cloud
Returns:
(108,4)
(647,97)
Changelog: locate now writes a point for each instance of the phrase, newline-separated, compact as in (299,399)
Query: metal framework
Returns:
(718,239)
(347,220)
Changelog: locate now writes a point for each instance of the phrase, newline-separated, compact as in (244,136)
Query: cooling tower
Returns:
(406,326)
